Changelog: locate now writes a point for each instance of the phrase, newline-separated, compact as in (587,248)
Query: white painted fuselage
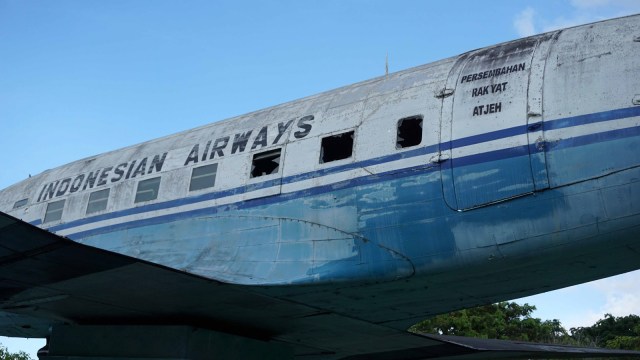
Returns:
(503,172)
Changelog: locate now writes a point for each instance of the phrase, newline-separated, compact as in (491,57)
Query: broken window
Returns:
(409,132)
(20,203)
(203,177)
(265,163)
(98,201)
(336,147)
(54,211)
(147,190)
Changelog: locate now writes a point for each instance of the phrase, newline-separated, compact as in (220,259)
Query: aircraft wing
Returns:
(50,282)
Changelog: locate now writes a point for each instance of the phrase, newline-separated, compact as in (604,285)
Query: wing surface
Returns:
(47,280)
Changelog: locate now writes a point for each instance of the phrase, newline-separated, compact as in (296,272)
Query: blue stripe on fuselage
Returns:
(592,118)
(247,204)
(466,160)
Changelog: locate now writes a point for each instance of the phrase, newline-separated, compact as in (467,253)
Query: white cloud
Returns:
(583,305)
(523,22)
(621,283)
(581,319)
(622,296)
(562,22)
(582,12)
(622,304)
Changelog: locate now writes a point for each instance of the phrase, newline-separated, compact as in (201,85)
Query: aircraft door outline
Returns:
(492,140)
(535,113)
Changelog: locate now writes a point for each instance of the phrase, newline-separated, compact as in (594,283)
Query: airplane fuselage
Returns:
(503,172)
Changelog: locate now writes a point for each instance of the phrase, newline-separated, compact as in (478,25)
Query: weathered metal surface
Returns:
(525,181)
(95,304)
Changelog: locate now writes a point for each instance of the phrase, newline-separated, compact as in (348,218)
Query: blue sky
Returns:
(78,78)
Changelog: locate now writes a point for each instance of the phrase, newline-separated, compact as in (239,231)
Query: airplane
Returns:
(324,227)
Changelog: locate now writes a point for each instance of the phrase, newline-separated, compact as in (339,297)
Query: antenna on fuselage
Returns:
(386,65)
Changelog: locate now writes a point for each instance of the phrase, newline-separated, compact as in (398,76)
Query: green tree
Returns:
(504,320)
(5,354)
(611,332)
(624,343)
(511,321)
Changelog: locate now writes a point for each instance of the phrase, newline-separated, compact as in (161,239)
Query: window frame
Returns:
(105,199)
(266,154)
(137,198)
(321,161)
(20,203)
(200,176)
(48,212)
(413,117)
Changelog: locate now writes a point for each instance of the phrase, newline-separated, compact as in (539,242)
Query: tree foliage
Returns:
(611,332)
(510,321)
(5,354)
(505,321)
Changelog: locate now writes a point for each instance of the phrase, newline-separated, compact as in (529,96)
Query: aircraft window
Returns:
(54,211)
(336,147)
(203,177)
(20,203)
(409,132)
(98,201)
(265,163)
(147,190)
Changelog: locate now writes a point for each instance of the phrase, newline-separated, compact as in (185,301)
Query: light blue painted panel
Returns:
(571,160)
(418,234)
(245,247)
(486,182)
(295,251)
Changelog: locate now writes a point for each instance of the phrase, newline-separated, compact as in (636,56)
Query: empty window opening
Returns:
(98,201)
(203,177)
(265,163)
(336,147)
(54,211)
(409,132)
(147,190)
(20,203)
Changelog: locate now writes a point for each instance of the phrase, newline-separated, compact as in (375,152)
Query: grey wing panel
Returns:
(458,347)
(31,260)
